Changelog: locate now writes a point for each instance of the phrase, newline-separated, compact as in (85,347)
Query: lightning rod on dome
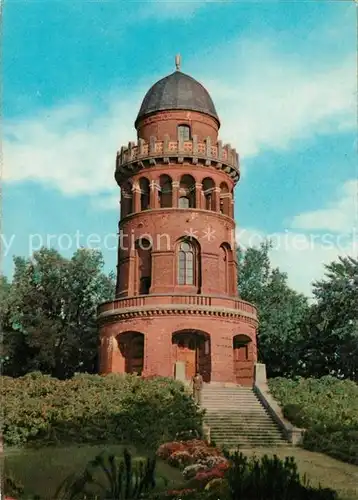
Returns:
(177,62)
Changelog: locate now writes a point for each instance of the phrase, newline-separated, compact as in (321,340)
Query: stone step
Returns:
(243,432)
(240,429)
(236,417)
(233,408)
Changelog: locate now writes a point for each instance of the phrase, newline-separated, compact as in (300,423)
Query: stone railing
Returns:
(177,300)
(293,434)
(136,155)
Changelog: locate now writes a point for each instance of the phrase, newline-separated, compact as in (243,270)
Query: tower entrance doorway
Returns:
(192,348)
(243,362)
(131,346)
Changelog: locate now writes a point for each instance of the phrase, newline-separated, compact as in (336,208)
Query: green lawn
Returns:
(319,469)
(41,471)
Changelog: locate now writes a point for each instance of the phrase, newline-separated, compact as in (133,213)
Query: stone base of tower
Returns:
(175,340)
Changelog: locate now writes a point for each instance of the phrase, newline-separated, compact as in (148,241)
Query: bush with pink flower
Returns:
(203,478)
(167,449)
(180,459)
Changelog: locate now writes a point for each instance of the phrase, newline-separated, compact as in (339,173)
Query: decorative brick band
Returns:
(135,312)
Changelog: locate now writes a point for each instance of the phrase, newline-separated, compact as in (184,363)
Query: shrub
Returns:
(327,408)
(167,449)
(269,478)
(203,478)
(191,471)
(93,409)
(180,459)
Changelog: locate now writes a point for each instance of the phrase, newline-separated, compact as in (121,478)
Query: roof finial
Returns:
(177,62)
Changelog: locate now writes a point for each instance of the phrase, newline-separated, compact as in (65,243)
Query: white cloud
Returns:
(71,148)
(173,9)
(266,101)
(340,216)
(107,202)
(271,101)
(302,255)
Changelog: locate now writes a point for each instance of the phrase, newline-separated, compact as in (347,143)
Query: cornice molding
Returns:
(170,310)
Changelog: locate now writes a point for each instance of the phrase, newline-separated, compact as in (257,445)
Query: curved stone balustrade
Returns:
(178,302)
(133,158)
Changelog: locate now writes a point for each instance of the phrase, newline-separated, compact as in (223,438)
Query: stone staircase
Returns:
(236,417)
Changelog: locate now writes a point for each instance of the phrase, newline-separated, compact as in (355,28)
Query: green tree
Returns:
(51,313)
(281,311)
(331,332)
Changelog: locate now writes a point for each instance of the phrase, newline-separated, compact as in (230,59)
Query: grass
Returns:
(42,470)
(319,469)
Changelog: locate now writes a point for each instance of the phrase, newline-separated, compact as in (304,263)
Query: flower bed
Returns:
(199,462)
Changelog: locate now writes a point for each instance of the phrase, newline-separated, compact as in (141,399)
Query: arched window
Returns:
(225,257)
(144,187)
(187,190)
(126,199)
(183,202)
(184,133)
(166,191)
(208,191)
(186,257)
(225,199)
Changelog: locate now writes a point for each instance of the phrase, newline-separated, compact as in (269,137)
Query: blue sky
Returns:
(282,76)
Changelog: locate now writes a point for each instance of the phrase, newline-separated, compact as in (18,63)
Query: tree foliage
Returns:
(49,315)
(281,310)
(331,331)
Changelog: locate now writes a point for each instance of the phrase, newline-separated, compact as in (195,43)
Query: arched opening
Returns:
(191,353)
(166,192)
(225,258)
(131,347)
(209,193)
(126,199)
(144,266)
(243,360)
(188,263)
(187,190)
(224,199)
(144,187)
(184,133)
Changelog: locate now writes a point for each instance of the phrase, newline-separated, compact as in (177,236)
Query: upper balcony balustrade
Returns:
(131,159)
(209,304)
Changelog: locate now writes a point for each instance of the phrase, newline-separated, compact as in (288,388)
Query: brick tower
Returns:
(177,308)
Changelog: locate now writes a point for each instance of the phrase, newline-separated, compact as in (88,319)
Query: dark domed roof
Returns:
(177,91)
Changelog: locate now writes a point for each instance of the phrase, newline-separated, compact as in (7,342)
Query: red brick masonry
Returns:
(173,306)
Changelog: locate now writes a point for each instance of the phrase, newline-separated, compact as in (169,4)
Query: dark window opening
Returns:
(145,286)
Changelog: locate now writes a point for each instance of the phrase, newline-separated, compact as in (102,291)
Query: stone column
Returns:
(136,198)
(216,195)
(175,194)
(231,206)
(198,195)
(131,269)
(154,198)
